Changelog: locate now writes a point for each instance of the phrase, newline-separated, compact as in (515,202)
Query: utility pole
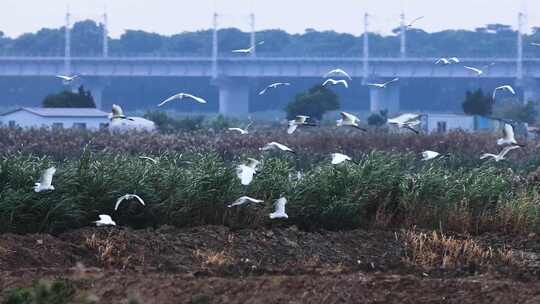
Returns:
(215,47)
(105,35)
(366,47)
(253,41)
(403,49)
(521,23)
(67,50)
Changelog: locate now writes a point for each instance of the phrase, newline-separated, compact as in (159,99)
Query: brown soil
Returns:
(282,265)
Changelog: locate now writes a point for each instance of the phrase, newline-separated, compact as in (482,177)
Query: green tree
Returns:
(314,103)
(378,119)
(476,103)
(67,99)
(517,111)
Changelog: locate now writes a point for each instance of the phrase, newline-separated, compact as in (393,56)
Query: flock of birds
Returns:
(246,172)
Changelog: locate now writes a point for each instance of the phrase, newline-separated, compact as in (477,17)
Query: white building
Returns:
(82,118)
(443,123)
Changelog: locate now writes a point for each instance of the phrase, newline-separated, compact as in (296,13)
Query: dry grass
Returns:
(108,252)
(437,250)
(210,258)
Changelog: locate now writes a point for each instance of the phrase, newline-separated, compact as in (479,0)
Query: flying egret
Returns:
(153,160)
(337,73)
(67,79)
(242,131)
(248,50)
(475,70)
(45,182)
(333,82)
(382,85)
(118,113)
(245,172)
(447,61)
(279,211)
(406,121)
(128,197)
(429,155)
(274,145)
(181,96)
(414,21)
(244,200)
(508,88)
(501,155)
(338,158)
(300,120)
(348,119)
(105,220)
(274,86)
(508,136)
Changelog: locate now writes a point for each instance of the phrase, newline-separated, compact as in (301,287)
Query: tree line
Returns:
(493,40)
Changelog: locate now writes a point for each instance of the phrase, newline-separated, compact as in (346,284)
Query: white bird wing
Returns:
(196,98)
(253,163)
(508,132)
(329,81)
(391,81)
(338,158)
(105,218)
(117,110)
(428,155)
(349,117)
(64,77)
(279,210)
(486,155)
(176,96)
(338,72)
(245,174)
(139,199)
(415,20)
(238,129)
(376,85)
(243,50)
(344,82)
(508,149)
(263,91)
(404,118)
(47,176)
(292,127)
(476,70)
(442,60)
(281,147)
(120,200)
(454,60)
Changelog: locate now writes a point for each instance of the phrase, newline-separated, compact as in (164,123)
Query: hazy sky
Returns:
(173,16)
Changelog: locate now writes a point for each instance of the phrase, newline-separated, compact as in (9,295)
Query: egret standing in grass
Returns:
(45,182)
(245,172)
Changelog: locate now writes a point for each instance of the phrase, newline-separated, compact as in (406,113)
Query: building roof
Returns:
(62,112)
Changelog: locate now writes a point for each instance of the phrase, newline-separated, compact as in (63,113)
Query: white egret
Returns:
(337,73)
(274,86)
(128,197)
(245,172)
(508,136)
(181,96)
(45,182)
(508,88)
(406,121)
(475,70)
(244,200)
(300,120)
(501,155)
(274,145)
(382,85)
(333,82)
(279,211)
(338,158)
(242,131)
(348,119)
(429,155)
(105,220)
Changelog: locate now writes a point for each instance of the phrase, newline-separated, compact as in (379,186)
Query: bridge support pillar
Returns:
(96,87)
(384,99)
(233,96)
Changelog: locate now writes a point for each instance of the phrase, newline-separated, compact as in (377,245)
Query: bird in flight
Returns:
(105,220)
(406,121)
(475,70)
(248,50)
(181,96)
(508,88)
(348,119)
(242,131)
(128,197)
(300,120)
(245,172)
(338,158)
(447,61)
(274,86)
(244,200)
(382,85)
(429,155)
(279,211)
(508,136)
(333,82)
(414,21)
(67,79)
(45,182)
(118,113)
(501,155)
(274,145)
(337,73)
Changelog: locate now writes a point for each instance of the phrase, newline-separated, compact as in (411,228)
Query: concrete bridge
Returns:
(230,74)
